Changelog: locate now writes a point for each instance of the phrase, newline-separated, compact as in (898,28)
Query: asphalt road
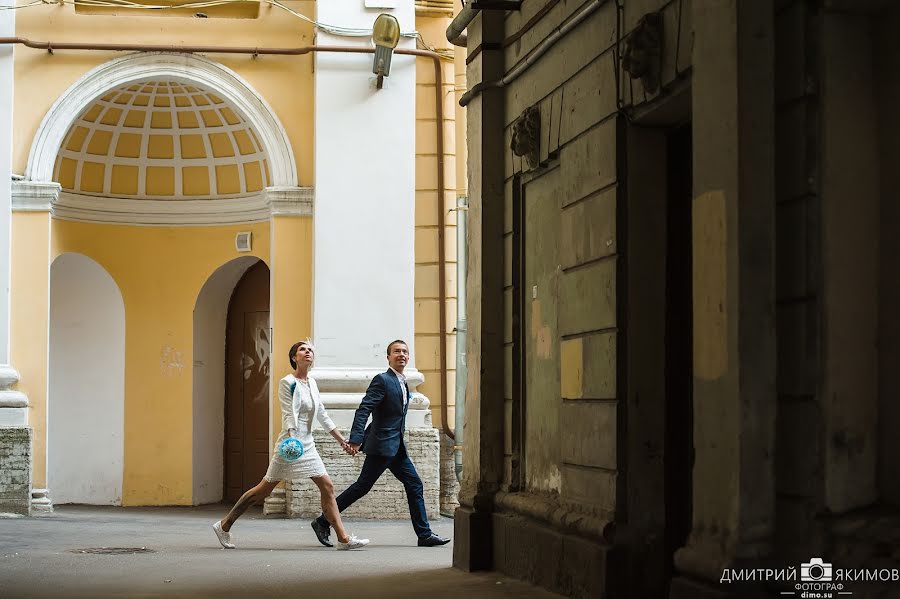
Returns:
(42,557)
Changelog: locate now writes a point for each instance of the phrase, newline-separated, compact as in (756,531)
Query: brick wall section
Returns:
(427,313)
(387,499)
(15,470)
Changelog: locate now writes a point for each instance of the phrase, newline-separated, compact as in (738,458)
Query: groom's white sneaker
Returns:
(224,537)
(352,543)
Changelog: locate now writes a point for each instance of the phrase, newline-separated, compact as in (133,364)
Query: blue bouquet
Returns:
(290,449)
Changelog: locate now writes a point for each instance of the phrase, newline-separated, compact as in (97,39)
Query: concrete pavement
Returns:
(41,557)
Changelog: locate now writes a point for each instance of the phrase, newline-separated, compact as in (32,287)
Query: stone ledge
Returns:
(40,502)
(550,510)
(9,376)
(13,399)
(563,563)
(472,539)
(275,505)
(387,499)
(15,470)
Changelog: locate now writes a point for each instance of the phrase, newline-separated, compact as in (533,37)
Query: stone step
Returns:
(40,502)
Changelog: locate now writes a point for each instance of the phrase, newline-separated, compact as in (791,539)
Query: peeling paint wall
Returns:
(541,336)
(794,220)
(569,290)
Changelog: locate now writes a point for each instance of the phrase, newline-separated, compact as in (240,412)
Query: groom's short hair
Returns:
(394,342)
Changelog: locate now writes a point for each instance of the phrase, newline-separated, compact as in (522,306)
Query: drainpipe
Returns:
(462,213)
(539,51)
(456,32)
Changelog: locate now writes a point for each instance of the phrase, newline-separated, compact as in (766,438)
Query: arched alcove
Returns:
(150,138)
(210,315)
(158,66)
(86,403)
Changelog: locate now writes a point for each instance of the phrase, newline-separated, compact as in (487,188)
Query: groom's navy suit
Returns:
(384,400)
(382,442)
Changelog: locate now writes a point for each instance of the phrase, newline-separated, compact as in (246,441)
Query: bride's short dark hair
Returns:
(295,347)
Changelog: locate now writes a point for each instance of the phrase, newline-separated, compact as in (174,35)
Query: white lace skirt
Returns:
(308,466)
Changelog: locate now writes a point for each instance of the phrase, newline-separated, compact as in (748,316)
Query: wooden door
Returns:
(247,366)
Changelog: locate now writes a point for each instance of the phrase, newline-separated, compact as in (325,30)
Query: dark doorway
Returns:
(679,373)
(247,367)
(655,209)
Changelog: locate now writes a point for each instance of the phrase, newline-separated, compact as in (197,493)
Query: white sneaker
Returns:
(352,543)
(224,537)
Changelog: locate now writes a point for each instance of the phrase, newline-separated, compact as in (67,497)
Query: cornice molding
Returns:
(167,213)
(34,196)
(37,196)
(290,201)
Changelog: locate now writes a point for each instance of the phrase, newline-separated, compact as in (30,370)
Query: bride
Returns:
(300,401)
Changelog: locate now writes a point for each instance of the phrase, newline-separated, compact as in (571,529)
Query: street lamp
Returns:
(385,34)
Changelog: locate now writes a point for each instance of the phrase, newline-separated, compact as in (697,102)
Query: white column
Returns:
(15,436)
(7,29)
(364,211)
(30,196)
(13,404)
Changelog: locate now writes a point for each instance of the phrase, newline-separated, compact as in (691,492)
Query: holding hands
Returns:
(350,448)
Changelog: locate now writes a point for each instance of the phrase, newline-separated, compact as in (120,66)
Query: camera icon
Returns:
(815,571)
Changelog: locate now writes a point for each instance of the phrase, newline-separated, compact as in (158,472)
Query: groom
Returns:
(387,400)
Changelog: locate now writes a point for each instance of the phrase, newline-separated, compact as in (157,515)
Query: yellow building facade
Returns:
(187,205)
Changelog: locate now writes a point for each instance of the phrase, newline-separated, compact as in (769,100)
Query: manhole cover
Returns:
(113,550)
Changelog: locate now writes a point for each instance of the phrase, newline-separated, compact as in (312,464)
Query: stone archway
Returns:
(158,65)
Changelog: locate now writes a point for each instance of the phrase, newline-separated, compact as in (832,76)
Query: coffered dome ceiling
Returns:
(162,140)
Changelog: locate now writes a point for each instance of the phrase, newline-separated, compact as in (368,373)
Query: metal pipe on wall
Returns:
(539,51)
(456,31)
(299,51)
(462,208)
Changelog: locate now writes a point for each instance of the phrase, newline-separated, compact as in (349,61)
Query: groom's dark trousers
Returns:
(400,466)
